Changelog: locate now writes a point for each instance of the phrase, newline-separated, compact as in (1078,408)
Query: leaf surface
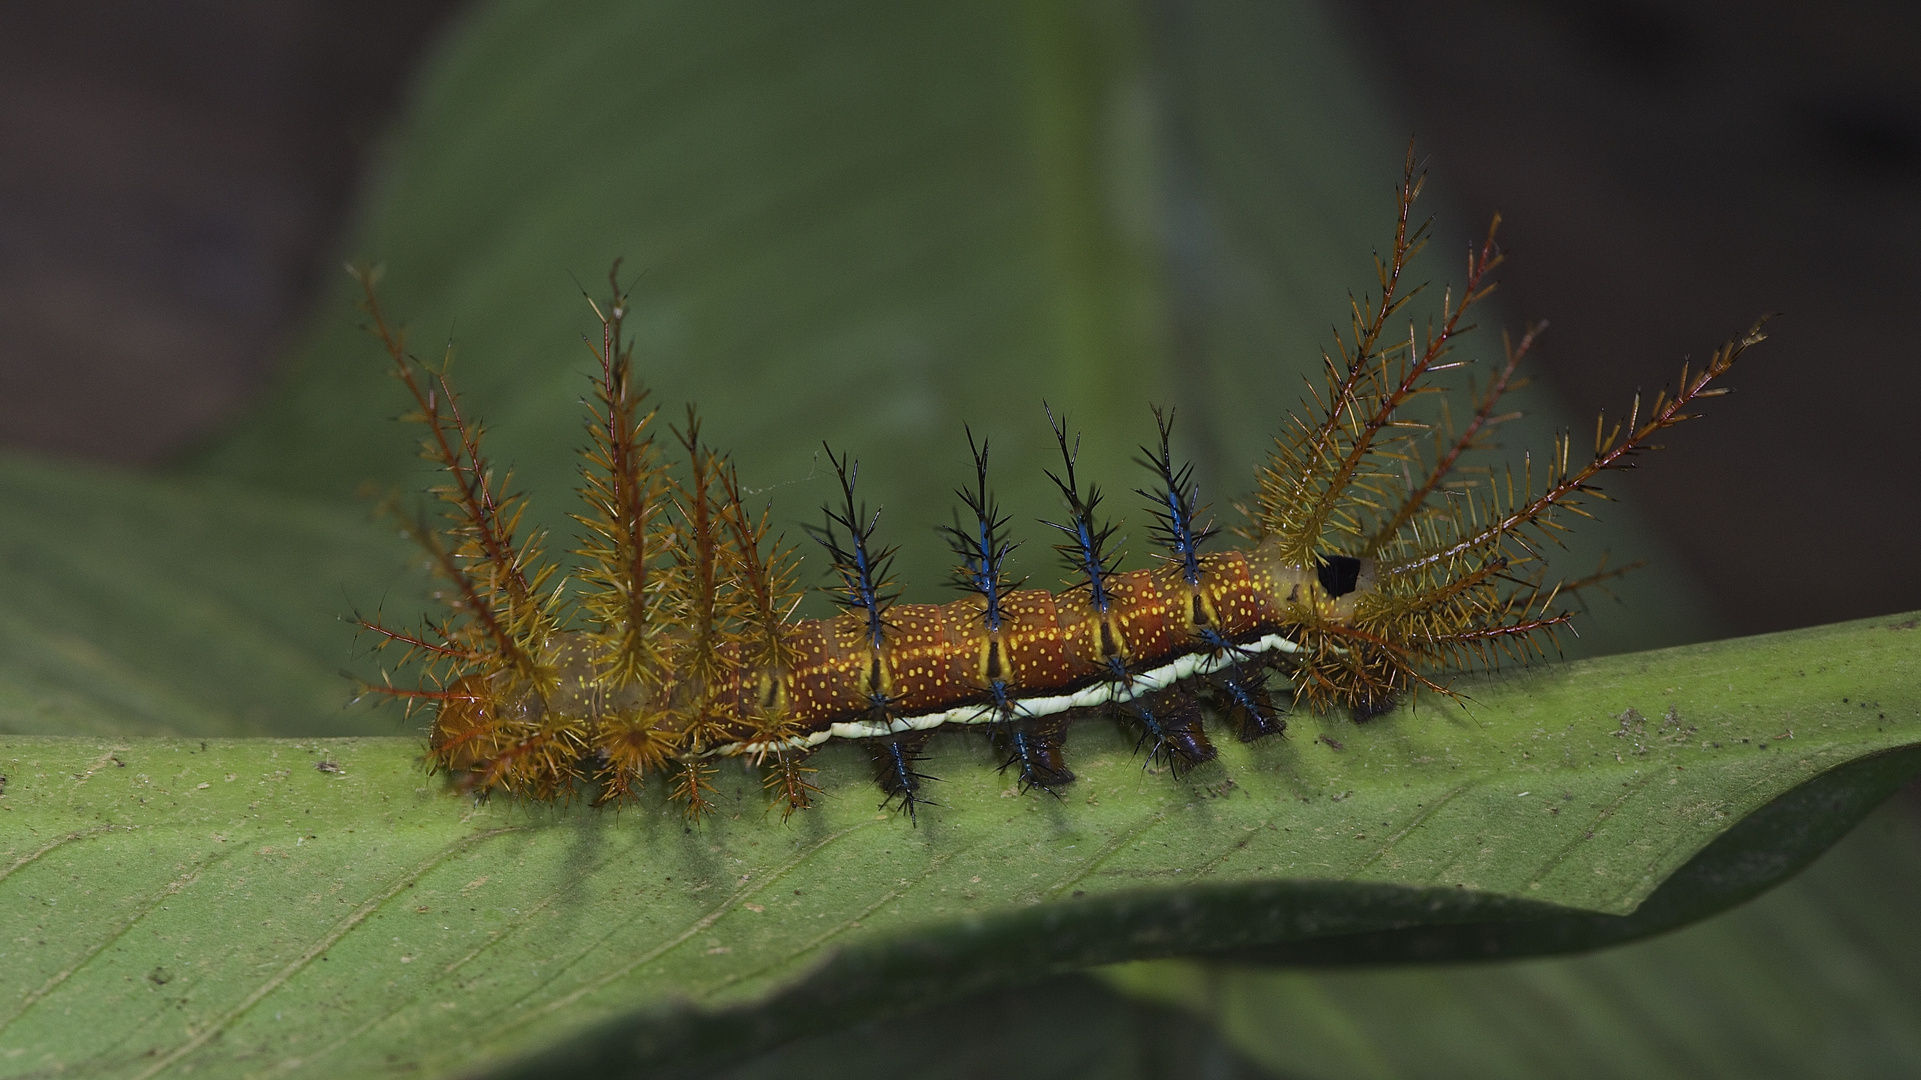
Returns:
(324,906)
(870,224)
(182,606)
(1817,978)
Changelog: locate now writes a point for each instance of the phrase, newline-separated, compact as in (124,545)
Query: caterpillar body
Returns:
(1378,564)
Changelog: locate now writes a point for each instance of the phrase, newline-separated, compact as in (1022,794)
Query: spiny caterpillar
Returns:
(1377,563)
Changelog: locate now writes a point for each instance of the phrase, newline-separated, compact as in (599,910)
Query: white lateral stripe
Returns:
(1181,667)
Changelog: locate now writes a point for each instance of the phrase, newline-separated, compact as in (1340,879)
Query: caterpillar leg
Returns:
(693,783)
(625,754)
(1034,747)
(1241,694)
(1371,706)
(787,781)
(895,759)
(1171,722)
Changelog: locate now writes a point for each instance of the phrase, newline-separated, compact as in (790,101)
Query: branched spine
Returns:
(984,547)
(1176,504)
(1087,552)
(865,587)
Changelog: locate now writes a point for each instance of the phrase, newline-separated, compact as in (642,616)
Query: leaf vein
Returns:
(53,981)
(1107,851)
(708,919)
(1414,823)
(822,938)
(340,930)
(1568,849)
(68,838)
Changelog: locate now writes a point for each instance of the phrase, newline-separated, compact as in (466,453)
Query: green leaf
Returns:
(192,607)
(326,907)
(868,224)
(871,224)
(1064,1028)
(1817,978)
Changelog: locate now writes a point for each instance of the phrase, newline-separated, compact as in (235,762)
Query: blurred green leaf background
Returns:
(869,224)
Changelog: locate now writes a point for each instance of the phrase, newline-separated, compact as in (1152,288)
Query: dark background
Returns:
(174,179)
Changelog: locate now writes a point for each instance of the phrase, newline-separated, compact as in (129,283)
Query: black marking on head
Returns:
(1339,574)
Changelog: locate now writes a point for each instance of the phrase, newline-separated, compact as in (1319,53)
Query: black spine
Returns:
(1033,749)
(895,763)
(1241,693)
(1171,722)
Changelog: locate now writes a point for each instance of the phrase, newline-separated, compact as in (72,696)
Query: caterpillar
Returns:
(1376,565)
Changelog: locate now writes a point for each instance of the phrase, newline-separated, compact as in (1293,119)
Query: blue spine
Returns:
(900,780)
(1176,504)
(1087,552)
(983,548)
(863,570)
(1033,745)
